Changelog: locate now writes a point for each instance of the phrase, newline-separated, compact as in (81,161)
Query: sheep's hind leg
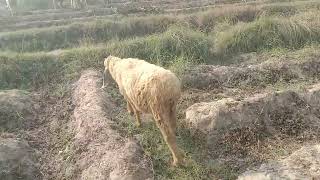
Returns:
(169,136)
(137,113)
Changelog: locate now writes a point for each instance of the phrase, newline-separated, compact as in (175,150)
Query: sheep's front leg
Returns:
(129,108)
(131,111)
(137,113)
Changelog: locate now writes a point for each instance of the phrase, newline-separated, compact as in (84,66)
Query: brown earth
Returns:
(16,110)
(75,135)
(100,152)
(268,110)
(302,164)
(256,75)
(18,160)
(245,133)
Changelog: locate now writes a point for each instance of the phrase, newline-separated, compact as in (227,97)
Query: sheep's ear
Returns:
(110,57)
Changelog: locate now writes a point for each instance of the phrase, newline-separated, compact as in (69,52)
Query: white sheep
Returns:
(148,88)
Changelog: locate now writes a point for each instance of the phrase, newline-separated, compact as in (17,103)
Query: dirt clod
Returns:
(18,160)
(302,164)
(16,110)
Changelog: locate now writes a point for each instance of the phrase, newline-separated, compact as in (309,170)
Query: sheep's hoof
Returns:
(138,124)
(102,87)
(178,162)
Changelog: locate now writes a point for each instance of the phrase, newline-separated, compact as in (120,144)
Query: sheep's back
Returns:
(146,83)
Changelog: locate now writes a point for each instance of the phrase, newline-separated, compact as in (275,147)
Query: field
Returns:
(249,107)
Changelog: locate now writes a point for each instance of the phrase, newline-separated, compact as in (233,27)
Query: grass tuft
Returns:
(163,49)
(267,33)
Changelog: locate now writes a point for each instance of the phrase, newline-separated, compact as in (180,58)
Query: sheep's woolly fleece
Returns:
(144,83)
(148,88)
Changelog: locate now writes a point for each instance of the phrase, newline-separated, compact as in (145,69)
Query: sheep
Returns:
(148,88)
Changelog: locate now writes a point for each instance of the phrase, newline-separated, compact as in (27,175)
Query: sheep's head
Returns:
(106,65)
(109,59)
(107,62)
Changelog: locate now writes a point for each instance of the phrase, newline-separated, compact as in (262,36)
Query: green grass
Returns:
(102,31)
(28,70)
(27,5)
(267,33)
(40,70)
(197,165)
(177,49)
(280,10)
(208,20)
(25,70)
(163,49)
(51,38)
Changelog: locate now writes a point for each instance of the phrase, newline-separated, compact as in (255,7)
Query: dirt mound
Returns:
(16,109)
(98,150)
(312,95)
(286,113)
(269,72)
(302,164)
(18,160)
